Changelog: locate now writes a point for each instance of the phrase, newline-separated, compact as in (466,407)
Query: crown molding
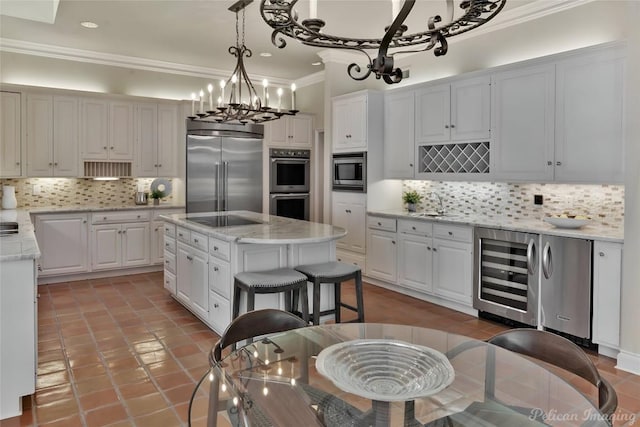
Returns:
(340,56)
(311,79)
(122,61)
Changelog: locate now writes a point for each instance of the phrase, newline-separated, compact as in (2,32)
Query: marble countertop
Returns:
(272,229)
(99,208)
(593,230)
(23,245)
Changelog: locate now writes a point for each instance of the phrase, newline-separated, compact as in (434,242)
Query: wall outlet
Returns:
(537,199)
(36,190)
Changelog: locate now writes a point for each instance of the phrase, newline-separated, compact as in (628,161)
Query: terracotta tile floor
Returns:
(121,352)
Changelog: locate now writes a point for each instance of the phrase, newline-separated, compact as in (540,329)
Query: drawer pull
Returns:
(601,254)
(138,216)
(435,250)
(195,240)
(450,233)
(166,245)
(189,257)
(413,228)
(216,305)
(166,281)
(215,269)
(166,261)
(104,218)
(428,248)
(180,234)
(215,248)
(379,223)
(393,242)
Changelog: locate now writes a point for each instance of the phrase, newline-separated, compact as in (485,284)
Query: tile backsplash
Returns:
(603,203)
(77,191)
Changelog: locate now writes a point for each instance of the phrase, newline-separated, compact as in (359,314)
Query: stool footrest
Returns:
(350,307)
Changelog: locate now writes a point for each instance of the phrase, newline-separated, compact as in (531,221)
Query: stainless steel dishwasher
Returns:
(566,285)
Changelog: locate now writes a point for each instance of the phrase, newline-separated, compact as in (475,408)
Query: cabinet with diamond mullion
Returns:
(466,161)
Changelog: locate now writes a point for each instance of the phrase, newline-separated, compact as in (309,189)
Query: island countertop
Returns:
(269,229)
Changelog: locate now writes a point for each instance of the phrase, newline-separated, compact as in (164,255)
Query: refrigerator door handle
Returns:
(225,185)
(531,257)
(547,262)
(218,182)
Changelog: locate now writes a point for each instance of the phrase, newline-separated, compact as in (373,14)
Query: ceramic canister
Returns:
(9,197)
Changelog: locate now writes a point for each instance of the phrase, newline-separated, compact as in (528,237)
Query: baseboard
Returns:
(608,351)
(453,305)
(629,362)
(99,274)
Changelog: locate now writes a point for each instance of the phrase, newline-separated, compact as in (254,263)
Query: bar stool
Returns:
(334,272)
(291,282)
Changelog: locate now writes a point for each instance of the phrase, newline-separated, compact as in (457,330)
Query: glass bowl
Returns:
(385,370)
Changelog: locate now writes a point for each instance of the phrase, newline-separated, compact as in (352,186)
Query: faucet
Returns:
(440,209)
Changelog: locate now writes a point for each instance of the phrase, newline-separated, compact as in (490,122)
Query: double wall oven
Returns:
(289,184)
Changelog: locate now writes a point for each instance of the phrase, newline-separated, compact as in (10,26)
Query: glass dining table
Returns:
(460,381)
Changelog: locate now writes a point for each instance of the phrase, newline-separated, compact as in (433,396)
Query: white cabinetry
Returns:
(349,212)
(18,334)
(523,124)
(382,249)
(607,281)
(356,118)
(459,111)
(156,139)
(63,242)
(453,262)
(119,239)
(290,131)
(170,267)
(52,135)
(106,130)
(590,118)
(192,278)
(399,140)
(10,135)
(415,265)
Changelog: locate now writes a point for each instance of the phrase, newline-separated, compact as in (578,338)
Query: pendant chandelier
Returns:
(281,16)
(244,105)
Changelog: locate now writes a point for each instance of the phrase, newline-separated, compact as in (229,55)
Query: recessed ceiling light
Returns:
(317,63)
(265,54)
(89,24)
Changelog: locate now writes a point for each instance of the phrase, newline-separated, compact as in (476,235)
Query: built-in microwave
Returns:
(350,172)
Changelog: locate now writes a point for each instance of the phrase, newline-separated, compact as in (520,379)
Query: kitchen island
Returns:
(18,307)
(204,251)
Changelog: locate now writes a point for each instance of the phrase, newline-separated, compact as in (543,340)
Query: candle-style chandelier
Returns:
(244,105)
(281,16)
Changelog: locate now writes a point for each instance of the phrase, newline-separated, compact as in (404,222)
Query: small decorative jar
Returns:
(411,207)
(9,197)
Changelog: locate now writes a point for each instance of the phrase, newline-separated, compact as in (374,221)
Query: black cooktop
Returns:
(223,220)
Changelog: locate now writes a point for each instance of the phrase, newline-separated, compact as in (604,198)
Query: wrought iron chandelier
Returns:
(244,105)
(281,16)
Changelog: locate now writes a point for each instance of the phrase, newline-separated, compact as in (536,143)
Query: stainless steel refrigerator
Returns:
(224,167)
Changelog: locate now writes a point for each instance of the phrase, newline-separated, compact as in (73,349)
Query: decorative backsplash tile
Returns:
(603,203)
(77,191)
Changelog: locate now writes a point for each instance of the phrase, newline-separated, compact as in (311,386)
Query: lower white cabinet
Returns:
(415,264)
(607,281)
(219,312)
(63,243)
(382,251)
(120,245)
(192,278)
(349,212)
(452,270)
(156,242)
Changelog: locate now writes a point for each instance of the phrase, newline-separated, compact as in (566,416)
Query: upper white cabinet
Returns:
(52,135)
(356,118)
(590,118)
(290,131)
(10,135)
(156,139)
(523,123)
(399,141)
(459,111)
(106,130)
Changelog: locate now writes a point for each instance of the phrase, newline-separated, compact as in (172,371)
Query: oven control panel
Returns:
(286,153)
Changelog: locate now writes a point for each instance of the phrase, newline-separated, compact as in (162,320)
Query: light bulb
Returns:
(210,88)
(222,84)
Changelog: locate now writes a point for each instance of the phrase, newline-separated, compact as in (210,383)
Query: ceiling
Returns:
(197,33)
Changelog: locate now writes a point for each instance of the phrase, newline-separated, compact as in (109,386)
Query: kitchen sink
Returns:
(428,214)
(8,227)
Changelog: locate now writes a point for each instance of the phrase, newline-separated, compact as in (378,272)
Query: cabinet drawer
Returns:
(352,258)
(170,282)
(380,223)
(169,230)
(170,244)
(170,261)
(453,232)
(220,277)
(219,312)
(219,248)
(199,241)
(419,228)
(125,216)
(183,235)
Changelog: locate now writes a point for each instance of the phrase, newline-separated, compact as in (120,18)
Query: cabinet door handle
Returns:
(166,281)
(380,223)
(112,147)
(119,231)
(104,218)
(39,267)
(428,248)
(410,165)
(156,229)
(215,248)
(166,245)
(216,305)
(195,240)
(138,216)
(446,126)
(393,242)
(215,268)
(601,254)
(189,257)
(180,234)
(160,165)
(435,250)
(549,163)
(413,228)
(166,262)
(452,126)
(17,163)
(50,164)
(124,231)
(104,148)
(558,163)
(450,233)
(84,221)
(55,164)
